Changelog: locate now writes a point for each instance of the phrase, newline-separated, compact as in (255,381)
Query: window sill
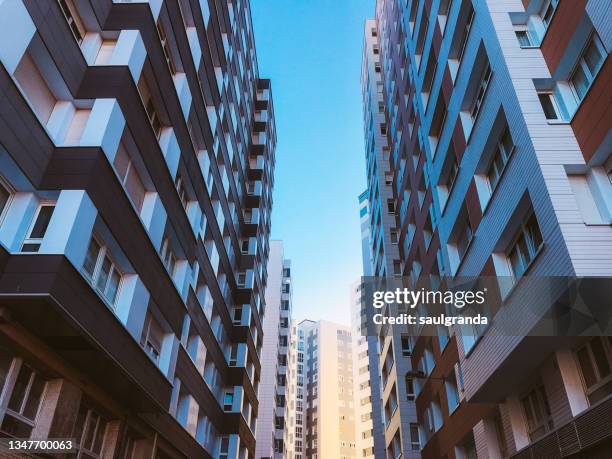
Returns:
(557,122)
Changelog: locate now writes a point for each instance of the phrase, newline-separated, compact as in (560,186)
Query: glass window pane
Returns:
(548,106)
(593,57)
(588,373)
(92,256)
(601,359)
(122,161)
(4,197)
(42,221)
(5,365)
(34,397)
(30,247)
(23,379)
(113,286)
(103,275)
(15,428)
(580,82)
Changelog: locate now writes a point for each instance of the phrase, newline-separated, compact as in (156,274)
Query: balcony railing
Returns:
(583,432)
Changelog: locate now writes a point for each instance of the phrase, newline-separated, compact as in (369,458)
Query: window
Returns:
(524,38)
(443,11)
(415,442)
(168,257)
(537,413)
(74,21)
(393,234)
(23,403)
(228,400)
(180,189)
(452,394)
(548,11)
(5,199)
(383,129)
(595,360)
(410,393)
(589,64)
(464,235)
(152,337)
(101,271)
(525,247)
(166,47)
(450,171)
(38,228)
(466,34)
(149,105)
(480,92)
(549,105)
(90,430)
(391,206)
(224,448)
(406,348)
(129,177)
(501,155)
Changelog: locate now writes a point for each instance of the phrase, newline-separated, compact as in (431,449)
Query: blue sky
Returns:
(311,49)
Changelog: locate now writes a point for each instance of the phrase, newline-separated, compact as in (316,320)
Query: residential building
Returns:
(324,398)
(369,435)
(292,419)
(137,156)
(500,139)
(272,431)
(399,411)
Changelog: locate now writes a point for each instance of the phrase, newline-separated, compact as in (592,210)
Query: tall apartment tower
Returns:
(325,424)
(369,434)
(500,134)
(272,433)
(293,422)
(136,161)
(384,252)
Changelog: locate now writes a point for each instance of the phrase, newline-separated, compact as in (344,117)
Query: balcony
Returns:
(585,431)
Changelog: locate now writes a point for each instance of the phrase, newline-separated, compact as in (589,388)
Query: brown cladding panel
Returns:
(564,22)
(593,120)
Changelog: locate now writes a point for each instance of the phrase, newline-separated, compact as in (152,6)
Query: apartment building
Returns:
(271,437)
(369,435)
(399,411)
(292,420)
(325,423)
(500,134)
(136,159)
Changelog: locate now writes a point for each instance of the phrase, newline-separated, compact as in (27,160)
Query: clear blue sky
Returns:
(311,49)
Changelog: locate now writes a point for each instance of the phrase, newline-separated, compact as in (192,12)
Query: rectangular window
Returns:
(589,64)
(501,155)
(129,177)
(168,257)
(149,105)
(525,247)
(38,228)
(465,34)
(549,105)
(90,430)
(5,199)
(152,337)
(595,360)
(102,271)
(166,47)
(464,236)
(524,38)
(548,11)
(180,189)
(480,92)
(537,413)
(74,21)
(415,442)
(23,403)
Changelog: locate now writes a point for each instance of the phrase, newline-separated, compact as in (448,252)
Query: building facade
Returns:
(325,423)
(399,412)
(369,434)
(500,141)
(272,433)
(136,159)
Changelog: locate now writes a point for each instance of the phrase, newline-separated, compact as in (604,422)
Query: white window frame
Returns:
(11,194)
(103,253)
(585,68)
(554,103)
(166,250)
(532,251)
(30,240)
